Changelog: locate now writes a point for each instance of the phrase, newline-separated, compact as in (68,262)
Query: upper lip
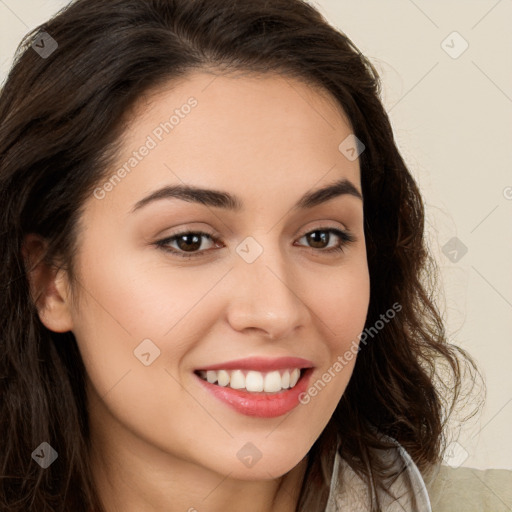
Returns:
(261,364)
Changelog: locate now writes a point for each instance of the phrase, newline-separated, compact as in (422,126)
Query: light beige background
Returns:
(452,119)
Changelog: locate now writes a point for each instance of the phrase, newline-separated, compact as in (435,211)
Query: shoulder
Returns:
(471,490)
(443,489)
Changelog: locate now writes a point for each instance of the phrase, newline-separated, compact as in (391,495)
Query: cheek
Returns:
(125,314)
(342,305)
(138,299)
(124,302)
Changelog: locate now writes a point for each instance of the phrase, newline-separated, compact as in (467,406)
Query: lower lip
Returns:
(262,405)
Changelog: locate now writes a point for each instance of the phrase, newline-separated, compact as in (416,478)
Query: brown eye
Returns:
(320,239)
(187,244)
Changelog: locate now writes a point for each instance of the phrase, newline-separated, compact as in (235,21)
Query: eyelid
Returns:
(344,235)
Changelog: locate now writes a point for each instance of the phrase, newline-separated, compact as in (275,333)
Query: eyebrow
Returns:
(220,199)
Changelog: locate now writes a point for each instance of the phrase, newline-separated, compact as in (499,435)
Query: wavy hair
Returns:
(61,120)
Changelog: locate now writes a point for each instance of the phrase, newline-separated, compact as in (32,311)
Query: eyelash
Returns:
(345,237)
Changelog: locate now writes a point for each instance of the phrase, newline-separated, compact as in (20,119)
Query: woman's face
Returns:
(260,284)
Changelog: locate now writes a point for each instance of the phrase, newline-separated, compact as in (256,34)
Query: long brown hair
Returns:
(61,117)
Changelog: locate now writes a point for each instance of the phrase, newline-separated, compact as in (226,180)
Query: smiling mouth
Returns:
(252,381)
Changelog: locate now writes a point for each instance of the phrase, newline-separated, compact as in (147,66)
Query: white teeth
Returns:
(222,378)
(294,377)
(237,380)
(273,382)
(253,381)
(285,379)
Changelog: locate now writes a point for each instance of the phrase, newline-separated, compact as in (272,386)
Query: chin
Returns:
(268,463)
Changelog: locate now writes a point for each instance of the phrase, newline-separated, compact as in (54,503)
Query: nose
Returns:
(265,296)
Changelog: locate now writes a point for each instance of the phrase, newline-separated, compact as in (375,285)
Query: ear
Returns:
(49,286)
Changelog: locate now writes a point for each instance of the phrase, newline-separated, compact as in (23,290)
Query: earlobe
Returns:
(49,286)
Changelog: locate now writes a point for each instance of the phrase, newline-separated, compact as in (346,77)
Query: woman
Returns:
(214,263)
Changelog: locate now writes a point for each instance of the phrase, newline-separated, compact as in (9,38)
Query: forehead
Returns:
(258,135)
(215,88)
(239,108)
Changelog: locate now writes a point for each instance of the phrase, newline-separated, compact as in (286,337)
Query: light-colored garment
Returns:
(444,489)
(353,495)
(471,490)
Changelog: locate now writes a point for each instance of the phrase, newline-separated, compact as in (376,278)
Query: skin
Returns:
(160,441)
